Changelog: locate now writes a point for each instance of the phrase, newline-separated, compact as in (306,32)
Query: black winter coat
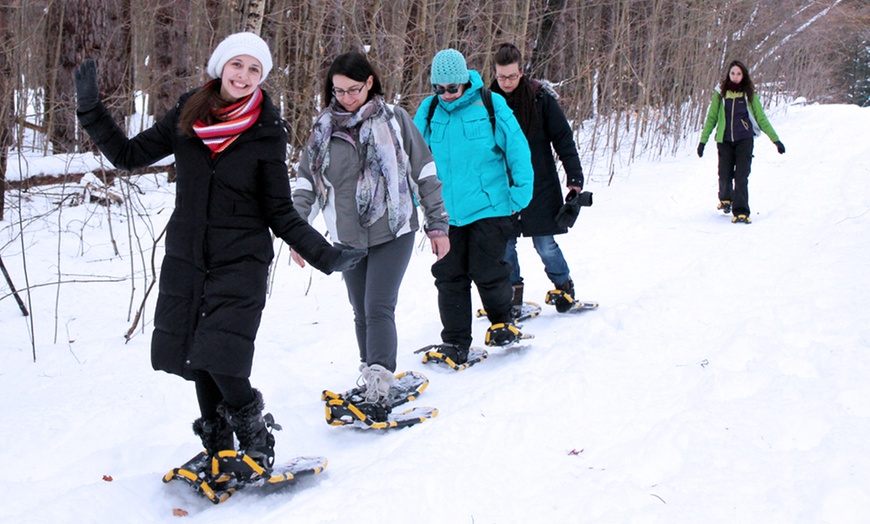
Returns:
(539,217)
(218,241)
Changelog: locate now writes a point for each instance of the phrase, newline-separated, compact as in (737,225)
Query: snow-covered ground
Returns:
(725,377)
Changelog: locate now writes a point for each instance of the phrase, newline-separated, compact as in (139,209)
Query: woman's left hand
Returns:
(440,246)
(297,258)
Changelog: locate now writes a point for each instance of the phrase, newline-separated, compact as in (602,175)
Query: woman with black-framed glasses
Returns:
(365,166)
(485,165)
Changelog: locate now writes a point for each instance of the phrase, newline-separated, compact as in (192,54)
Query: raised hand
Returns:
(87,91)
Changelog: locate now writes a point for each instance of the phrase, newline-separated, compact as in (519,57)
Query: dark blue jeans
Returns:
(551,255)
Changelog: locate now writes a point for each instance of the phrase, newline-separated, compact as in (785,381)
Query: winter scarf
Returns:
(233,120)
(522,101)
(382,186)
(731,86)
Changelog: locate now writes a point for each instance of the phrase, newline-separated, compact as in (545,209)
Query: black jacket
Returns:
(218,241)
(538,218)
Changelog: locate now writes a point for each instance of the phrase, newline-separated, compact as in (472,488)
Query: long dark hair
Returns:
(746,84)
(200,106)
(522,99)
(355,66)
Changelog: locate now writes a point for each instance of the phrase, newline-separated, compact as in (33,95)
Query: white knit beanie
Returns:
(240,44)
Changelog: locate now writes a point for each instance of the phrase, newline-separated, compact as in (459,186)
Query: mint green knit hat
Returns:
(448,67)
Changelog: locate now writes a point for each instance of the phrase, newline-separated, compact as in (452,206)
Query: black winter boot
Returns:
(253,429)
(215,432)
(517,301)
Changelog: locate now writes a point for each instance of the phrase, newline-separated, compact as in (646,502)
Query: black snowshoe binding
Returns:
(216,435)
(725,206)
(562,297)
(256,453)
(504,334)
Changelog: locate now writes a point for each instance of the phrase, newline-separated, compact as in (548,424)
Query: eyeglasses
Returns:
(512,78)
(440,90)
(353,91)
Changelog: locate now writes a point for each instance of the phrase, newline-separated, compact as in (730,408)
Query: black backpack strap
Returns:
(432,107)
(486,97)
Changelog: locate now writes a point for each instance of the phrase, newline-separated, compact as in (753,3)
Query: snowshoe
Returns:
(724,206)
(741,219)
(226,482)
(579,306)
(350,407)
(451,355)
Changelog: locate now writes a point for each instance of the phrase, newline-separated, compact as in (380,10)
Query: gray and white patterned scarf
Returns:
(383,183)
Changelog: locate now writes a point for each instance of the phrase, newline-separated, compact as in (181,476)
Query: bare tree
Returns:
(170,63)
(7,90)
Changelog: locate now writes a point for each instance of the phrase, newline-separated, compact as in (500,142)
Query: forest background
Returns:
(641,71)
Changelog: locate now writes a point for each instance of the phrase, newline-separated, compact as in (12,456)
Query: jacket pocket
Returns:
(476,128)
(436,131)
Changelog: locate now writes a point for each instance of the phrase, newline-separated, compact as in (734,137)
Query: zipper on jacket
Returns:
(733,103)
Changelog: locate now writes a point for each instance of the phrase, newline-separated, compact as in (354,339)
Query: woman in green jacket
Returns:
(738,117)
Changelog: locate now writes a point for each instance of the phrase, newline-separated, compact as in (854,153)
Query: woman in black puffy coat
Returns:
(232,189)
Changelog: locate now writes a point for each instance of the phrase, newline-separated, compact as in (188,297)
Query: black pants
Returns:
(735,162)
(212,388)
(476,255)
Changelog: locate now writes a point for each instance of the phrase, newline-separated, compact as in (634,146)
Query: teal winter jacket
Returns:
(472,159)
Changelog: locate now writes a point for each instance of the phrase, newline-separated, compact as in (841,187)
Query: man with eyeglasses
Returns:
(546,128)
(486,173)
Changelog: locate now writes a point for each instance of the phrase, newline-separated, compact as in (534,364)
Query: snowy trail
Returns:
(723,379)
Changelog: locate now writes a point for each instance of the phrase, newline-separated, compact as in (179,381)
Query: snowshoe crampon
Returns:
(447,354)
(350,408)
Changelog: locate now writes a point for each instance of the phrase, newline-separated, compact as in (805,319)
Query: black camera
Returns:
(571,209)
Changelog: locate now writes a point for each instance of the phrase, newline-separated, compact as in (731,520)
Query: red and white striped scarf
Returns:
(234,120)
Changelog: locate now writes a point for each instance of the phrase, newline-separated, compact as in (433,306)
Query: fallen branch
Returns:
(107,175)
(21,305)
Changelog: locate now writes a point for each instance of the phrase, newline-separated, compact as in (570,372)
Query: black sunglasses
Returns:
(440,90)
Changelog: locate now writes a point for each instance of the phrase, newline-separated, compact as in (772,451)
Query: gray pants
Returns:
(373,289)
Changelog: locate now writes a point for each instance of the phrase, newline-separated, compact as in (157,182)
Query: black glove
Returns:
(780,147)
(701,149)
(87,91)
(348,258)
(568,213)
